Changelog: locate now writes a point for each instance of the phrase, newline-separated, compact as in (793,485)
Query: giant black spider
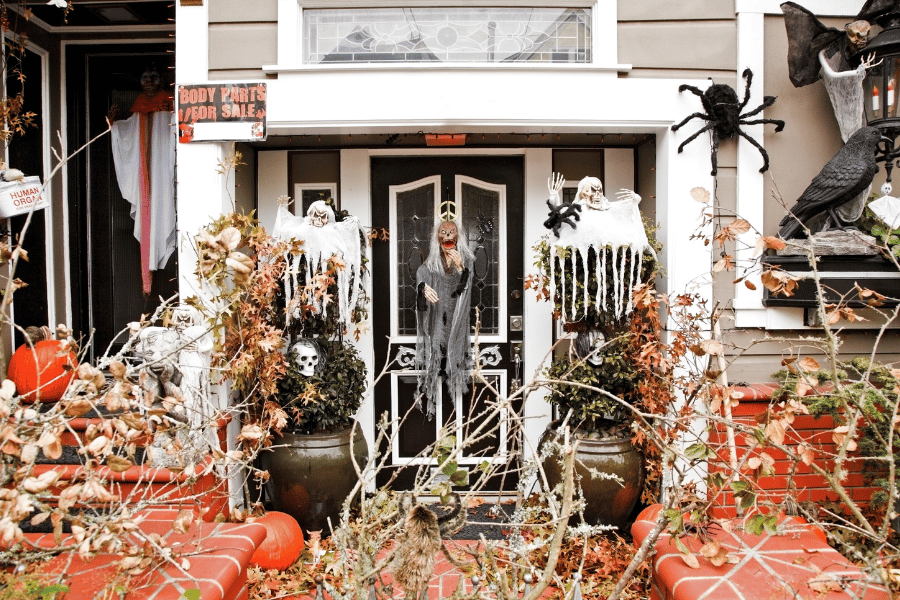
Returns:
(564,213)
(723,112)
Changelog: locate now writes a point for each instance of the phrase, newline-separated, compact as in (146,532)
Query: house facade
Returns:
(360,97)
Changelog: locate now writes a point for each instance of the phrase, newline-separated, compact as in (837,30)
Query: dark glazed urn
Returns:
(310,475)
(606,501)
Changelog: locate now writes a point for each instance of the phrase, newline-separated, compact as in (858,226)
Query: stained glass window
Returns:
(459,35)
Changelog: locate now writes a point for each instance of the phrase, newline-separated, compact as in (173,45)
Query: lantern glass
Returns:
(880,91)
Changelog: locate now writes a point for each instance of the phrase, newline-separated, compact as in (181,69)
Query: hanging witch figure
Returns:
(443,297)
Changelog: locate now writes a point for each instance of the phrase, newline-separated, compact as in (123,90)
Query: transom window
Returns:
(458,35)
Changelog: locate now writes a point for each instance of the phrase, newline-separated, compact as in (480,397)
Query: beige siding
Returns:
(700,45)
(242,46)
(241,11)
(810,136)
(666,10)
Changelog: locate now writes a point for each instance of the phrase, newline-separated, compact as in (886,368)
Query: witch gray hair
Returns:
(435,262)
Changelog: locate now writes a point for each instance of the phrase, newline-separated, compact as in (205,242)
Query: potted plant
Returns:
(271,297)
(598,271)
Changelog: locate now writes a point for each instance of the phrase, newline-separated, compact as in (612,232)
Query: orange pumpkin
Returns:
(283,543)
(54,370)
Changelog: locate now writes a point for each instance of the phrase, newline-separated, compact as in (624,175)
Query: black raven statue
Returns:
(841,180)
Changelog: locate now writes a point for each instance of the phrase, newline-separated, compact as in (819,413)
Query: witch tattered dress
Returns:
(443,348)
(143,149)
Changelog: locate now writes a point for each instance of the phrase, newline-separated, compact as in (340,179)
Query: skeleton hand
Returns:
(869,61)
(554,184)
(453,257)
(430,294)
(623,194)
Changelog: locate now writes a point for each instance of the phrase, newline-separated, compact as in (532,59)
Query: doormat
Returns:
(490,520)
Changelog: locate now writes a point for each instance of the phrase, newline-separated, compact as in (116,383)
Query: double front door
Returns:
(409,197)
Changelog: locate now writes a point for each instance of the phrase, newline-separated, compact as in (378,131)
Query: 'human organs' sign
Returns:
(19,197)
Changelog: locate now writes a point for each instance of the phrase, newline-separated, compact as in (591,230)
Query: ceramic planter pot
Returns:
(607,502)
(310,475)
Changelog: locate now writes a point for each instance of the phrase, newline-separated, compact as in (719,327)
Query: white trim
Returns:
(299,188)
(604,34)
(820,8)
(502,439)
(503,292)
(394,259)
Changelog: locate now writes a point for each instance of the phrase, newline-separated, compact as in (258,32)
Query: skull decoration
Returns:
(858,34)
(319,214)
(590,191)
(184,316)
(309,357)
(588,347)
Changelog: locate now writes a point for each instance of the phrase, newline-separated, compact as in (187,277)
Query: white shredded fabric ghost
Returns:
(320,244)
(618,229)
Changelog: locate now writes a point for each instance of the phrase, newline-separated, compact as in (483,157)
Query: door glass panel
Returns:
(415,220)
(481,218)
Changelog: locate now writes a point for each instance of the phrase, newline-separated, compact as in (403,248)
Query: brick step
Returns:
(217,556)
(202,490)
(794,562)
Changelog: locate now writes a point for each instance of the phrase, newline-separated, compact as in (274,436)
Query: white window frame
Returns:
(604,41)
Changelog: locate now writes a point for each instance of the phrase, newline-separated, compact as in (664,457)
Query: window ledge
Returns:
(374,66)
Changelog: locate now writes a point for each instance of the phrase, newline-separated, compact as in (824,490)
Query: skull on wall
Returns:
(590,191)
(309,357)
(319,214)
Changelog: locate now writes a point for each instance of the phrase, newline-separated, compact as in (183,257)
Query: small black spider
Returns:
(723,112)
(564,213)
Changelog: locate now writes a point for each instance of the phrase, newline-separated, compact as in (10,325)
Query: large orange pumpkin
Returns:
(283,543)
(54,370)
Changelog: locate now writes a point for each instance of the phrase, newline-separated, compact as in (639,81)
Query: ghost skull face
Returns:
(448,235)
(319,214)
(182,318)
(151,82)
(591,193)
(307,358)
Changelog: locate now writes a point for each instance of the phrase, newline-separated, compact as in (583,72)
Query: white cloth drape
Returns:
(126,153)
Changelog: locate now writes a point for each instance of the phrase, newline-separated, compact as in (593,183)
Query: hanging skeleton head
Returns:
(858,35)
(309,357)
(319,214)
(590,192)
(588,347)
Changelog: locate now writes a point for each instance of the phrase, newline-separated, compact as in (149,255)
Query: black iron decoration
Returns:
(725,117)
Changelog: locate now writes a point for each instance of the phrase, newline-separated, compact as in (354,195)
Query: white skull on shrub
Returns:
(308,357)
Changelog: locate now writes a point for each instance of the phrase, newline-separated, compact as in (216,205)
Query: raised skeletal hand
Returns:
(554,184)
(623,195)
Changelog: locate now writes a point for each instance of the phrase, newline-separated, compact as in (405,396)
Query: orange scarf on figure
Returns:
(143,106)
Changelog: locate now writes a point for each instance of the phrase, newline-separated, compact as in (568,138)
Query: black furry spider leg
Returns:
(762,150)
(697,115)
(694,136)
(692,88)
(767,102)
(779,125)
(748,75)
(714,155)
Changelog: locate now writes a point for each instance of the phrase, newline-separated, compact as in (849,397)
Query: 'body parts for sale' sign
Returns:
(231,112)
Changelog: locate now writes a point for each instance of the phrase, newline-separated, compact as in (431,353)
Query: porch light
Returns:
(445,139)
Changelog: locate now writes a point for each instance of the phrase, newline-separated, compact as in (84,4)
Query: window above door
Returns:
(318,34)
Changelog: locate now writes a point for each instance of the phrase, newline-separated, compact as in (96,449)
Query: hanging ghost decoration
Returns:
(323,237)
(613,232)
